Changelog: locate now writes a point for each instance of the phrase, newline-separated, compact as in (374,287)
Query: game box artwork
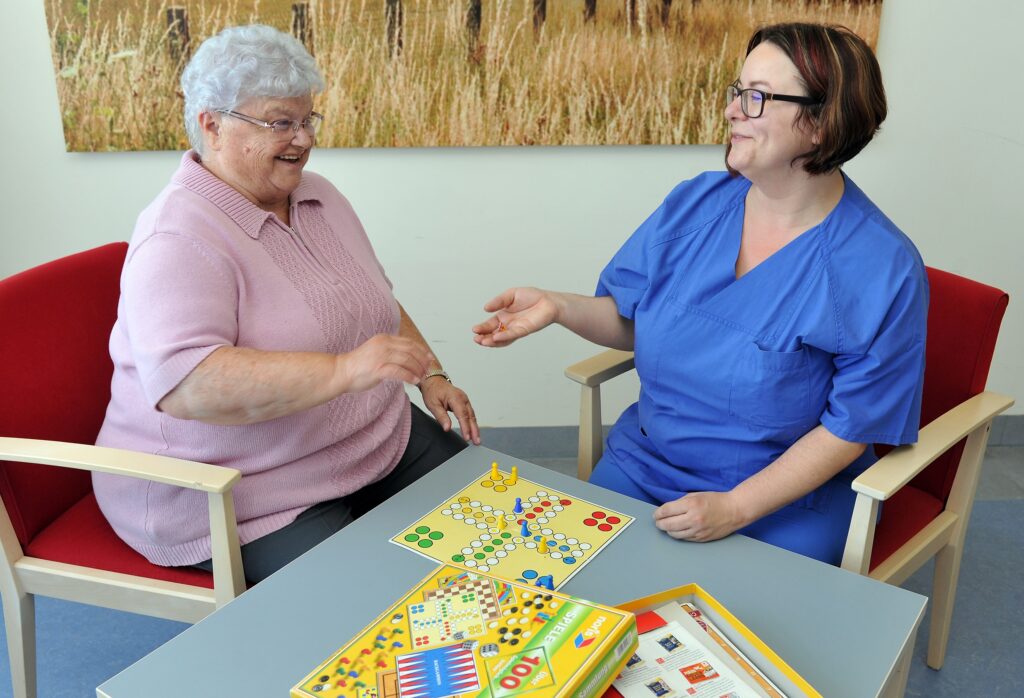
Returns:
(462,633)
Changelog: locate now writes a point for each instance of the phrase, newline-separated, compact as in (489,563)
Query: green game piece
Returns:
(423,530)
(458,558)
(436,535)
(425,543)
(411,537)
(479,556)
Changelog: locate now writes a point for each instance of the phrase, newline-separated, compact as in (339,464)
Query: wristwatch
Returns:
(436,372)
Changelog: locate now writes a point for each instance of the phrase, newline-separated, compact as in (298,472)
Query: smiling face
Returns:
(766,146)
(263,166)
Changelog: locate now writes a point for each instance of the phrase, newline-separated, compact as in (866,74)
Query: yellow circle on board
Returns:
(489,519)
(500,488)
(463,500)
(467,510)
(487,483)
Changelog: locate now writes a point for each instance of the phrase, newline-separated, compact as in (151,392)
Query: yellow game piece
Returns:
(515,476)
(542,547)
(495,475)
(501,523)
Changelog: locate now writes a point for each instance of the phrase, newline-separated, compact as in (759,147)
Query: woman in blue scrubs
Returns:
(778,317)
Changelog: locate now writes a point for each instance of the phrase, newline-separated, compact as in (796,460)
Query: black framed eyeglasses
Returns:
(752,101)
(282,128)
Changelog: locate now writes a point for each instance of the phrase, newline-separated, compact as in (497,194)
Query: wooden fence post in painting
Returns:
(393,12)
(666,7)
(301,25)
(630,14)
(589,9)
(540,13)
(178,40)
(474,15)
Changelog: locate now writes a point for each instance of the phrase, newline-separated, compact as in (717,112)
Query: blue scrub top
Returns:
(828,330)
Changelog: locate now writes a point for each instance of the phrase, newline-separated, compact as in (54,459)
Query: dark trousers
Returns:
(428,447)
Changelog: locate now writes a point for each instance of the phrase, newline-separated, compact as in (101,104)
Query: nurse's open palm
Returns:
(517,313)
(699,516)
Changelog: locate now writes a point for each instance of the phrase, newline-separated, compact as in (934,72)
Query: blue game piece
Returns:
(547,581)
(518,508)
(526,531)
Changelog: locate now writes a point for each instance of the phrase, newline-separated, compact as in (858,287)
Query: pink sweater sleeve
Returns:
(179,306)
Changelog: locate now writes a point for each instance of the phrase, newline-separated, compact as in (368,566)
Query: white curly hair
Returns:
(243,63)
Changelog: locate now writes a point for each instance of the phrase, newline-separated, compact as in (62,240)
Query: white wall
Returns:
(455,226)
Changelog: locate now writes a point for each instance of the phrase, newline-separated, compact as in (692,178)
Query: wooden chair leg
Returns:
(947,573)
(20,620)
(591,443)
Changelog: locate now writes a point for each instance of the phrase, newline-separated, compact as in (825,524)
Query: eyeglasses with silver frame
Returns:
(752,100)
(283,128)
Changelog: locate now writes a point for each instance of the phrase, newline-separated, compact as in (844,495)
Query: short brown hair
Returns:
(838,68)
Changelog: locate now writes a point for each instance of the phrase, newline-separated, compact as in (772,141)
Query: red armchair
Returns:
(55,370)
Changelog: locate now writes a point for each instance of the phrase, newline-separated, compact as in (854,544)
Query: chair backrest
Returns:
(55,372)
(963,323)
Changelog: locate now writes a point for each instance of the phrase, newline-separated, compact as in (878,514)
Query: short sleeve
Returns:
(627,277)
(179,304)
(876,389)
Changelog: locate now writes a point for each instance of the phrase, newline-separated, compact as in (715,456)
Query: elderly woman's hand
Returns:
(699,516)
(383,357)
(441,397)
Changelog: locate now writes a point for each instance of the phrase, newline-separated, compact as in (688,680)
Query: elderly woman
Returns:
(778,317)
(257,330)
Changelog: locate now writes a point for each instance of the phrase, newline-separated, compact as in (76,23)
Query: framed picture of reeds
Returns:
(422,73)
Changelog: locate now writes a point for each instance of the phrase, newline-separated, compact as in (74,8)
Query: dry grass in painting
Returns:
(570,82)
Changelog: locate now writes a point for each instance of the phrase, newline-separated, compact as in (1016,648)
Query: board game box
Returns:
(462,633)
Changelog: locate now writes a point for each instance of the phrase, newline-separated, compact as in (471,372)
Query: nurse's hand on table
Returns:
(517,313)
(699,516)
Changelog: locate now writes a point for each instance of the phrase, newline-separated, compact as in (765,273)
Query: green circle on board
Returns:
(423,530)
(411,537)
(425,543)
(479,556)
(458,558)
(435,535)
(506,535)
(488,549)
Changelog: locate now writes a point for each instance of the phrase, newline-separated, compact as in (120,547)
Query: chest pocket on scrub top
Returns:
(772,389)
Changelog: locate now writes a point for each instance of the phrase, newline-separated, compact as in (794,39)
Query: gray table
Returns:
(846,634)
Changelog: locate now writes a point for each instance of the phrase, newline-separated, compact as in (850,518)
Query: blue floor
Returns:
(79,647)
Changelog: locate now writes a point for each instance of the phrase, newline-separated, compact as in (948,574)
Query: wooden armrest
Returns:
(597,369)
(902,464)
(169,471)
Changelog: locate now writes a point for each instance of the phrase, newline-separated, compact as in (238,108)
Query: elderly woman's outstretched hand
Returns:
(517,313)
(383,357)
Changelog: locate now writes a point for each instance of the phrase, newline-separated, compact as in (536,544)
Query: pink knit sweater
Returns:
(205,269)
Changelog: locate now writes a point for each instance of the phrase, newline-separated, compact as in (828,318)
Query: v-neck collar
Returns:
(736,235)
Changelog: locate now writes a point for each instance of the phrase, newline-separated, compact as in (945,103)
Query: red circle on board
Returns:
(566,502)
(589,522)
(531,515)
(546,503)
(598,514)
(613,519)
(538,509)
(604,527)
